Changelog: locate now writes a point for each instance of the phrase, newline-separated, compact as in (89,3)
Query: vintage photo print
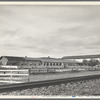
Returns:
(50,49)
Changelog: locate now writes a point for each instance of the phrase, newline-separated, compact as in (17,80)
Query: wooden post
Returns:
(47,70)
(39,70)
(74,64)
(91,65)
(11,76)
(28,75)
(99,61)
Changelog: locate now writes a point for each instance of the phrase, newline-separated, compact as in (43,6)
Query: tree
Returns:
(93,62)
(85,62)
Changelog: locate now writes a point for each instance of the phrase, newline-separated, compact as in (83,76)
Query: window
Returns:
(68,64)
(56,64)
(13,63)
(53,64)
(50,64)
(30,64)
(47,64)
(60,64)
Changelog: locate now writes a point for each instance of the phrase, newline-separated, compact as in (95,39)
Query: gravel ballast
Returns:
(81,88)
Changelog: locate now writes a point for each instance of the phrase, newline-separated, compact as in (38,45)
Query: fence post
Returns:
(47,70)
(28,74)
(11,76)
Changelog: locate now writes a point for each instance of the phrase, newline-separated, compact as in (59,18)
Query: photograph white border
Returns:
(51,3)
(59,3)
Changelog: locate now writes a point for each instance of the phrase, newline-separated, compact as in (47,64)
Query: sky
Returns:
(55,31)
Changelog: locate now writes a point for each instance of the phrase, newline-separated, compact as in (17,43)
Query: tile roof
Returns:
(44,59)
(13,58)
(51,59)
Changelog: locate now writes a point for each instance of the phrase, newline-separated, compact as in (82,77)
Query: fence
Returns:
(42,70)
(14,76)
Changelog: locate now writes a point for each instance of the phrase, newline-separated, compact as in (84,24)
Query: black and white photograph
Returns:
(50,50)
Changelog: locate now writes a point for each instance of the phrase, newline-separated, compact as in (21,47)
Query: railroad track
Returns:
(20,86)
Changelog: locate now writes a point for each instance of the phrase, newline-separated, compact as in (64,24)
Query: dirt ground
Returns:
(50,76)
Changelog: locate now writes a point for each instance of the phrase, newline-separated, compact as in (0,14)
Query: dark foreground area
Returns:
(81,88)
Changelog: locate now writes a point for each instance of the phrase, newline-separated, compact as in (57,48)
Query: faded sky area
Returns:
(54,31)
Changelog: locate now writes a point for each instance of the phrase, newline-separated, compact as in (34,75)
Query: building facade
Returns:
(31,63)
